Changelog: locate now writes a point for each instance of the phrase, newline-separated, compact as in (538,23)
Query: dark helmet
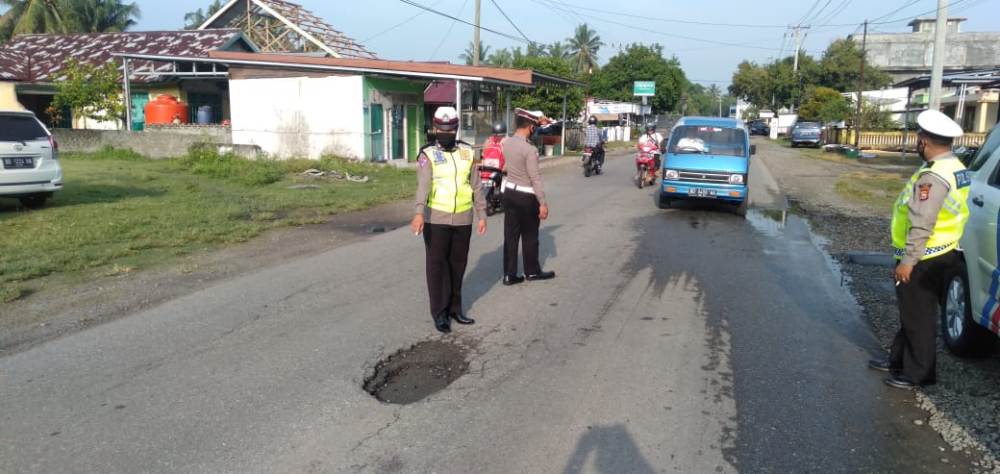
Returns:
(650,127)
(499,128)
(592,120)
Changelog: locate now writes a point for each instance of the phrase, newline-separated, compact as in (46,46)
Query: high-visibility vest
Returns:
(952,217)
(450,170)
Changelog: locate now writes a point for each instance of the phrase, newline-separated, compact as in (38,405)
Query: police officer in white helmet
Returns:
(448,192)
(928,220)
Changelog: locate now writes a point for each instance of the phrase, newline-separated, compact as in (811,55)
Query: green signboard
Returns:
(644,88)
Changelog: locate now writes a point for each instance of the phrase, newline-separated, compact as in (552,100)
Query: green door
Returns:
(378,132)
(412,133)
(139,101)
(397,132)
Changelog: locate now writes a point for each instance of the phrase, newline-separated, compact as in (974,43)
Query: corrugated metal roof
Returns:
(296,18)
(523,77)
(46,55)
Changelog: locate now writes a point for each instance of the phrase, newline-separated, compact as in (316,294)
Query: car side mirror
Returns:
(753,150)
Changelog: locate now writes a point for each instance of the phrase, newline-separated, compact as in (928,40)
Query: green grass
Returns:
(875,189)
(119,211)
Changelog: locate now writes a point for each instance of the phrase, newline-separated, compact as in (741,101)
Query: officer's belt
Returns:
(515,187)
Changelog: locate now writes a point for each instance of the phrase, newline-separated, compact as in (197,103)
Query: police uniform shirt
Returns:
(425,174)
(522,165)
(929,194)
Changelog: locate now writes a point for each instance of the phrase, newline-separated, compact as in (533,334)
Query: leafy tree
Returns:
(192,20)
(549,97)
(876,118)
(752,83)
(32,16)
(641,63)
(90,91)
(841,66)
(823,104)
(470,53)
(99,16)
(584,46)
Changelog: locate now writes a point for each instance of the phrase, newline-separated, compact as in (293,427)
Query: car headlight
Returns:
(670,174)
(736,179)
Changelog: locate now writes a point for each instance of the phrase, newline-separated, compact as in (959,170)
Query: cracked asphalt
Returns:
(685,340)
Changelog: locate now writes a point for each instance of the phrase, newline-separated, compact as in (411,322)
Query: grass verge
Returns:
(878,190)
(119,211)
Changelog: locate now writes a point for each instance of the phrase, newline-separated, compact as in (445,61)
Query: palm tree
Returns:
(100,16)
(558,50)
(501,57)
(584,46)
(32,16)
(469,53)
(193,20)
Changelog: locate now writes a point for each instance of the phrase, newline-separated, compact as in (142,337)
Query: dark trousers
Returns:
(447,255)
(520,226)
(914,350)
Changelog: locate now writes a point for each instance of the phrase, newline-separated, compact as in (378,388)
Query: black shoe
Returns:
(509,280)
(900,382)
(462,319)
(442,323)
(541,276)
(881,365)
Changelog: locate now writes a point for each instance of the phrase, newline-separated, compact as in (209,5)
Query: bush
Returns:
(233,168)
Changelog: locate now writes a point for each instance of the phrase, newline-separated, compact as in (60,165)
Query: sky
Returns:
(716,35)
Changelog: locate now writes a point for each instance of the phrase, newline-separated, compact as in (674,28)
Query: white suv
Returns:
(29,159)
(970,315)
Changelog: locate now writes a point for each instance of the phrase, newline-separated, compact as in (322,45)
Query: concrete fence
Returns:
(154,142)
(891,140)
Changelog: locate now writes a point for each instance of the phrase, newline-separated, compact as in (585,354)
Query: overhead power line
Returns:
(459,20)
(448,33)
(510,21)
(397,25)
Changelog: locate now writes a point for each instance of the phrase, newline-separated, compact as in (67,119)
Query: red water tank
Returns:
(165,110)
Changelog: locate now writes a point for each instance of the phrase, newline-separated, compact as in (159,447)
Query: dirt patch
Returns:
(413,374)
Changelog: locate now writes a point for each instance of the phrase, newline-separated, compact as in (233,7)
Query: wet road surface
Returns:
(685,340)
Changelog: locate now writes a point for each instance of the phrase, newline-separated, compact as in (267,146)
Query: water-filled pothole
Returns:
(413,374)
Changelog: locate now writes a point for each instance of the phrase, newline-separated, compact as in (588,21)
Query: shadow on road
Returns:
(489,268)
(614,451)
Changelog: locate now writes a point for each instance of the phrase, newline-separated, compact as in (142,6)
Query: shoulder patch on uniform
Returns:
(422,160)
(963,178)
(924,191)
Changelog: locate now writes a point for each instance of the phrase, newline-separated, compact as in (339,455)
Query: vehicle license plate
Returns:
(18,162)
(699,192)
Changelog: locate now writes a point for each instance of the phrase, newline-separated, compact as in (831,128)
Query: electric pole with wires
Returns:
(937,63)
(475,36)
(861,87)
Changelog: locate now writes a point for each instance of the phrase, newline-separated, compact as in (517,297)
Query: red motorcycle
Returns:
(646,164)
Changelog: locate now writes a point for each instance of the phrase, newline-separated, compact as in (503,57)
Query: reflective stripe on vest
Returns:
(951,219)
(450,188)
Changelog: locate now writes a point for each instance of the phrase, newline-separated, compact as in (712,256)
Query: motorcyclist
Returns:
(492,153)
(651,137)
(593,138)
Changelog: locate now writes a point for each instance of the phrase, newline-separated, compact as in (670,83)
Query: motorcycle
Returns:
(591,164)
(645,164)
(492,179)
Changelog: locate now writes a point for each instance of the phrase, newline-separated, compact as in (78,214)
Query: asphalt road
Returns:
(685,340)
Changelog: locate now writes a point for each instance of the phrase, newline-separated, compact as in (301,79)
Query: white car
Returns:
(970,315)
(29,159)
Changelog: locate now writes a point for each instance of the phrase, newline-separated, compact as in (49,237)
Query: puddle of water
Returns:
(788,225)
(413,374)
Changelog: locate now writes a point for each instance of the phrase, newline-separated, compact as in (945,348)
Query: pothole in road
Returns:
(413,374)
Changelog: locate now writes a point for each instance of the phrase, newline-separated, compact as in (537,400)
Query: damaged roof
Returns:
(299,31)
(40,58)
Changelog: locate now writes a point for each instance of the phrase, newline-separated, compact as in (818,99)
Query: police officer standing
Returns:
(927,222)
(524,202)
(448,191)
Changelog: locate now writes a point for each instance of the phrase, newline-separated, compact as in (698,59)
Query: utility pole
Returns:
(937,66)
(861,88)
(475,37)
(795,63)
